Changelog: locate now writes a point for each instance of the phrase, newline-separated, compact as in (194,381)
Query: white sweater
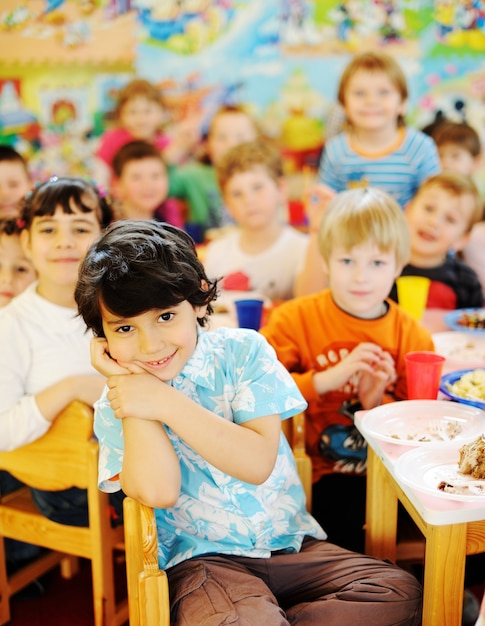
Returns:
(40,344)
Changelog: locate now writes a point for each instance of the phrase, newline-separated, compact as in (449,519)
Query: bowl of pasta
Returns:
(466,386)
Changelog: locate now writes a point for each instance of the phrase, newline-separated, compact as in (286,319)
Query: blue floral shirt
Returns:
(235,374)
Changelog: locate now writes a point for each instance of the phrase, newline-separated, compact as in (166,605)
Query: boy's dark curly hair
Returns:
(140,265)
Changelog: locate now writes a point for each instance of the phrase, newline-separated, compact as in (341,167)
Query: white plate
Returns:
(461,350)
(425,468)
(424,423)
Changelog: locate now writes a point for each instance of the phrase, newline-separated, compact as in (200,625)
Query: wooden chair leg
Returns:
(4,587)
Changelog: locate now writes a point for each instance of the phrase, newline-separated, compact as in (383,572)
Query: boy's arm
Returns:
(285,332)
(151,470)
(246,452)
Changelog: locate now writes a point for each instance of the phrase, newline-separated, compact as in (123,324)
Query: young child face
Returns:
(57,244)
(438,222)
(253,198)
(361,279)
(158,341)
(141,117)
(16,271)
(456,159)
(14,185)
(372,102)
(142,187)
(229,130)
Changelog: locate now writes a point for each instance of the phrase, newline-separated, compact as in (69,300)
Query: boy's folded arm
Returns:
(151,470)
(246,451)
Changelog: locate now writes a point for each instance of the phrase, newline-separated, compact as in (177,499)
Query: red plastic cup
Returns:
(423,371)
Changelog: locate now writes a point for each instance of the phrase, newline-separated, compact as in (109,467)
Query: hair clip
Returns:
(101,190)
(53,179)
(102,193)
(20,223)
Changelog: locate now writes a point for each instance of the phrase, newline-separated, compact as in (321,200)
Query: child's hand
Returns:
(315,201)
(364,358)
(105,364)
(372,385)
(137,396)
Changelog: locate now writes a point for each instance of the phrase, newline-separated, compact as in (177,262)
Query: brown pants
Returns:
(322,584)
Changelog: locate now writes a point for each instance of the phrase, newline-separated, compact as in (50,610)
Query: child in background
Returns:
(196,183)
(190,424)
(440,218)
(140,114)
(140,184)
(16,270)
(345,347)
(460,150)
(15,182)
(45,358)
(263,249)
(459,147)
(377,149)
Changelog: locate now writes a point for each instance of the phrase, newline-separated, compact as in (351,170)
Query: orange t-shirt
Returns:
(311,334)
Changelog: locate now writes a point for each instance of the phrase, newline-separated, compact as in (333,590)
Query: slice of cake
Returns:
(472,458)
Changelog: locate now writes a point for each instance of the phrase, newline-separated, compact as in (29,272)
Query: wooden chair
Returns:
(148,595)
(66,456)
(294,429)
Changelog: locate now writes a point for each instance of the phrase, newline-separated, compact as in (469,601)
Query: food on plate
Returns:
(470,386)
(436,430)
(468,489)
(471,463)
(472,319)
(464,350)
(472,458)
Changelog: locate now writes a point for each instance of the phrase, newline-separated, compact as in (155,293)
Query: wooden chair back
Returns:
(148,596)
(294,430)
(66,456)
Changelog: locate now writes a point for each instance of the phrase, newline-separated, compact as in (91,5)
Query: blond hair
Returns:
(247,156)
(359,216)
(457,185)
(375,62)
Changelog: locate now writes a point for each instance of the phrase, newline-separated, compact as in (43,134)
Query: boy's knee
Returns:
(199,599)
(216,597)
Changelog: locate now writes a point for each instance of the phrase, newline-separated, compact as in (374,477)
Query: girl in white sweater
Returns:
(45,357)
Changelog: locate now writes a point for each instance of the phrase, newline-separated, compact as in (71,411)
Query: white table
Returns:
(452,530)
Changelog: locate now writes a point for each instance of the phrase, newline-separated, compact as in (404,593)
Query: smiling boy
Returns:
(440,218)
(190,424)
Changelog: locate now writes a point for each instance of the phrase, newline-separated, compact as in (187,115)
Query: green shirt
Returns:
(196,183)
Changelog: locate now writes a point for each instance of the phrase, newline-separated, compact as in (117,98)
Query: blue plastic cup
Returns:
(249,313)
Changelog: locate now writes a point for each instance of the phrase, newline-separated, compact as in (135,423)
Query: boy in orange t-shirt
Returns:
(345,347)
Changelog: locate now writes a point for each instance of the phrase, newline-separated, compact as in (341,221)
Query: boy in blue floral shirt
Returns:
(190,424)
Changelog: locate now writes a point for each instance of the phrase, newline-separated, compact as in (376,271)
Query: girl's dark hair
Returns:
(140,265)
(55,192)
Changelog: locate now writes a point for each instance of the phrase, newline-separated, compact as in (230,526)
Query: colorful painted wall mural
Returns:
(63,61)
